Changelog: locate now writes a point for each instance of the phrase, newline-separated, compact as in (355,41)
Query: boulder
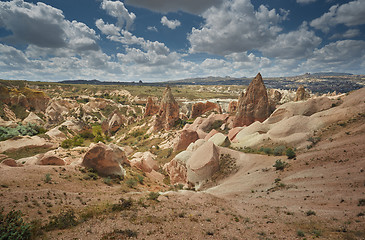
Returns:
(50,158)
(4,159)
(25,142)
(114,122)
(220,139)
(274,98)
(301,94)
(176,171)
(211,134)
(200,108)
(154,175)
(232,107)
(203,163)
(33,118)
(106,160)
(144,161)
(168,113)
(151,108)
(194,146)
(233,132)
(253,105)
(186,137)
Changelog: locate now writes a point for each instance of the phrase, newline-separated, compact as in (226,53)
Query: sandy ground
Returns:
(317,196)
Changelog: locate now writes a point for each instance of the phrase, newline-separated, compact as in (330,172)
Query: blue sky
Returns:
(156,40)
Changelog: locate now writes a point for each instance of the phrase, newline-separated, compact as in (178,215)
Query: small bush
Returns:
(310,213)
(47,178)
(67,143)
(267,151)
(123,204)
(131,183)
(120,234)
(12,226)
(361,202)
(290,153)
(64,220)
(153,196)
(280,165)
(278,151)
(140,179)
(108,181)
(300,233)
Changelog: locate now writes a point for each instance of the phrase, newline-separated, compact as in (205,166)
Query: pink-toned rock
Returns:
(151,108)
(213,119)
(203,164)
(301,94)
(49,159)
(144,161)
(106,160)
(168,113)
(200,108)
(114,122)
(232,107)
(233,132)
(186,137)
(158,177)
(176,171)
(10,162)
(211,134)
(253,105)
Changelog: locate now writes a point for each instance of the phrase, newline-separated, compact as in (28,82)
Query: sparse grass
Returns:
(65,219)
(47,178)
(131,183)
(300,233)
(310,213)
(361,202)
(26,152)
(120,234)
(12,226)
(123,204)
(153,196)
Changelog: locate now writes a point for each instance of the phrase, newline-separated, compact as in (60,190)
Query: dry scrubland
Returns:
(308,182)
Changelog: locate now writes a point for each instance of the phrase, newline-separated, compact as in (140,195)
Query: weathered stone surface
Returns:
(33,118)
(176,171)
(106,160)
(220,139)
(200,108)
(203,164)
(58,109)
(168,113)
(211,134)
(51,159)
(232,107)
(253,105)
(186,137)
(301,94)
(114,122)
(151,108)
(144,161)
(233,132)
(27,142)
(194,146)
(274,98)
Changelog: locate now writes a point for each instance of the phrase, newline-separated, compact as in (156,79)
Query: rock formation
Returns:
(168,113)
(106,160)
(301,94)
(203,163)
(151,108)
(274,98)
(114,122)
(145,161)
(186,137)
(200,108)
(253,105)
(232,107)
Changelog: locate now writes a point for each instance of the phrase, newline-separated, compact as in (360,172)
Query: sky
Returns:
(158,40)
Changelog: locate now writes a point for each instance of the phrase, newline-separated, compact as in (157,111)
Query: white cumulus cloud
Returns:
(119,11)
(349,14)
(172,24)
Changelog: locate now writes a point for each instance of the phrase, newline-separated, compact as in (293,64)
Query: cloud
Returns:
(295,44)
(117,9)
(351,33)
(152,29)
(164,6)
(107,29)
(234,27)
(172,24)
(349,14)
(344,55)
(44,26)
(305,1)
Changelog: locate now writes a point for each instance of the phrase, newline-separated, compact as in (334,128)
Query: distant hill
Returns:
(331,74)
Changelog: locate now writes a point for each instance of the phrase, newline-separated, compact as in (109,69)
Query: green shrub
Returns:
(267,151)
(361,202)
(140,179)
(300,233)
(153,196)
(67,143)
(29,129)
(137,133)
(47,178)
(123,204)
(64,220)
(12,226)
(278,151)
(280,165)
(131,183)
(290,153)
(310,212)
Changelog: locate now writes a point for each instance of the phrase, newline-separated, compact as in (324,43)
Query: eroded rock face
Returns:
(168,113)
(186,137)
(176,171)
(232,107)
(274,98)
(106,160)
(33,118)
(144,161)
(253,105)
(115,121)
(301,94)
(200,108)
(203,163)
(151,108)
(51,159)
